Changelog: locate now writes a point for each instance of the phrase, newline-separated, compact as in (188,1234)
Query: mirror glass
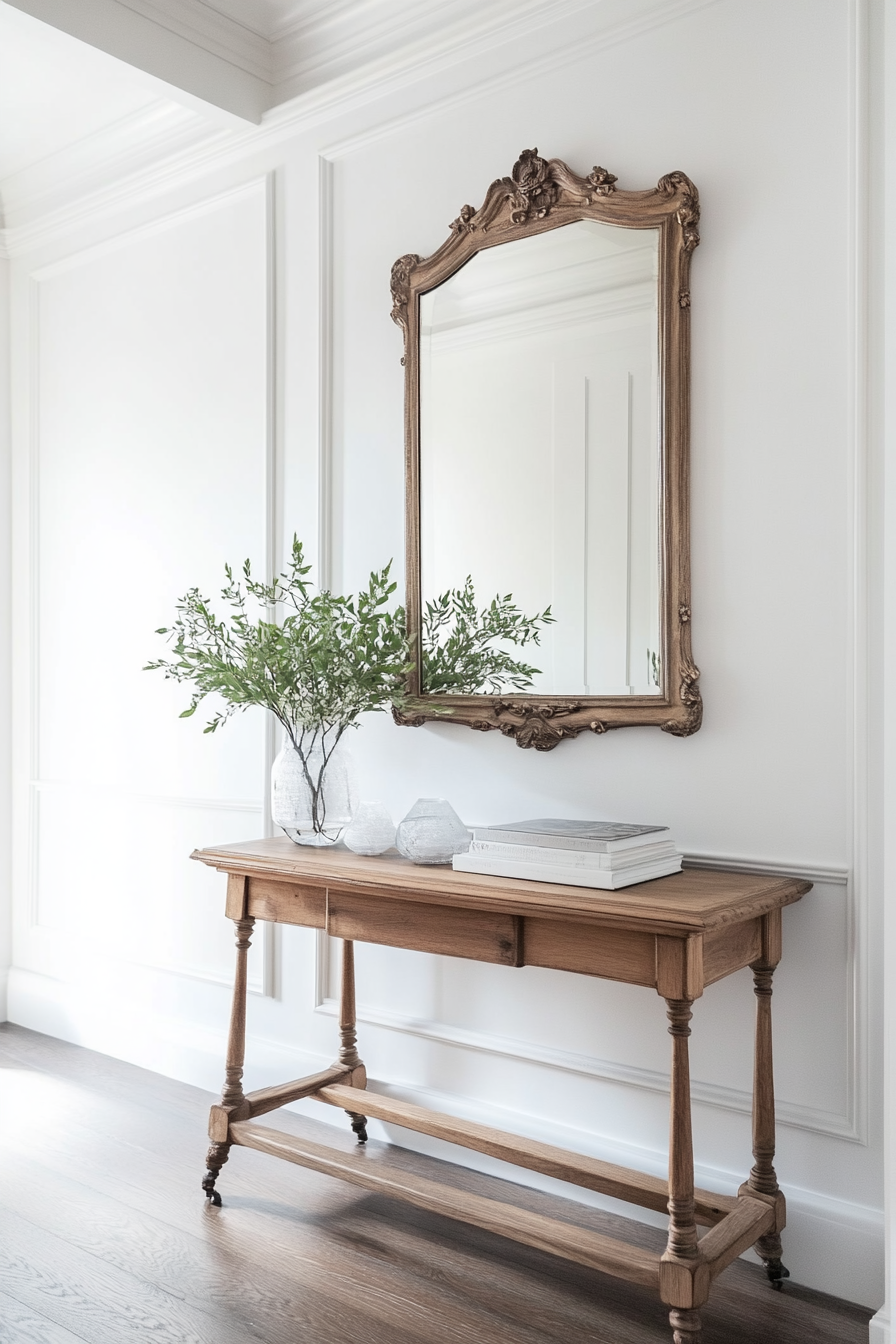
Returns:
(540,448)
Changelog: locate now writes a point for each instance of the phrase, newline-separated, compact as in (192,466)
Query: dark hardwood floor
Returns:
(105,1238)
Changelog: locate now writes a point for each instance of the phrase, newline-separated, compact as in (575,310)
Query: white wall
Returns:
(5,718)
(205,363)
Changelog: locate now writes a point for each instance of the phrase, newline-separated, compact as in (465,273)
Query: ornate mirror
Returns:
(546,425)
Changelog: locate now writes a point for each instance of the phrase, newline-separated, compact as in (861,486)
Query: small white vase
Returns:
(371,830)
(313,791)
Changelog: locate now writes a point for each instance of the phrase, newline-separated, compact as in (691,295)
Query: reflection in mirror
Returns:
(540,448)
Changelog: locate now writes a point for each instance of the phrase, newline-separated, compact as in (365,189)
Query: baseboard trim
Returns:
(879,1328)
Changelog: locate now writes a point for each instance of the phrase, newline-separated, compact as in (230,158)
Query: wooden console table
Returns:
(676,935)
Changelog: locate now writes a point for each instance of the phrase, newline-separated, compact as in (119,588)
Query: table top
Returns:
(693,901)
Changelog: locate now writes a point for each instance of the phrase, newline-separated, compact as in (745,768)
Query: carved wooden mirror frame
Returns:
(540,195)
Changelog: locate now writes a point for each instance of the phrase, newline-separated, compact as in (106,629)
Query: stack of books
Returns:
(601,854)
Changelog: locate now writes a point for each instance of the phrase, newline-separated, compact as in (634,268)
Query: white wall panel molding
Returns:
(612,24)
(105,795)
(273,542)
(859,610)
(28,713)
(325,372)
(45,944)
(797,1116)
(205,205)
(880,169)
(835,877)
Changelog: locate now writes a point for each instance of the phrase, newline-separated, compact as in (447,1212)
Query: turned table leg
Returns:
(232,1097)
(348,1037)
(684,1278)
(763,1181)
(685,1326)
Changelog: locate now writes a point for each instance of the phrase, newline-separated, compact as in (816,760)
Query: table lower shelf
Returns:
(624,1183)
(507,1220)
(735,1222)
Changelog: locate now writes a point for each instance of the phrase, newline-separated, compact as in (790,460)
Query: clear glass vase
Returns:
(432,833)
(313,791)
(372,830)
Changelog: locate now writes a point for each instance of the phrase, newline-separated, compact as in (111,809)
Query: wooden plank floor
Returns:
(105,1238)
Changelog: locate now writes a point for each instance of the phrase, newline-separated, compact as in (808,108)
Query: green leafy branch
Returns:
(461,652)
(317,661)
(326,661)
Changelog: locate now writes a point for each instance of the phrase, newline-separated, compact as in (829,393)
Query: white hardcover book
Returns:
(576,858)
(600,878)
(596,837)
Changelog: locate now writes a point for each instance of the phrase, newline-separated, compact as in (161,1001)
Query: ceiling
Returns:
(92,88)
(62,90)
(54,91)
(98,86)
(245,57)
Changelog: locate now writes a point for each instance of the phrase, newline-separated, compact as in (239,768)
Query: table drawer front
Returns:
(478,935)
(614,954)
(287,903)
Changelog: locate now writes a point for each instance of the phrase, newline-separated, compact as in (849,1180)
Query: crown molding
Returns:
(219,33)
(272,54)
(211,148)
(200,55)
(375,40)
(329,40)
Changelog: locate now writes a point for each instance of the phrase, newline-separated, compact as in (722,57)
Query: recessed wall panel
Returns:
(150,472)
(152,386)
